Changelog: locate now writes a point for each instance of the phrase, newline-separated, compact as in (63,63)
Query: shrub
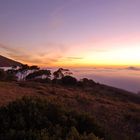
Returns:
(35,119)
(87,82)
(2,74)
(7,76)
(69,80)
(10,77)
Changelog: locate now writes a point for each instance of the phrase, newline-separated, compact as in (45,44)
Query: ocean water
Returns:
(124,78)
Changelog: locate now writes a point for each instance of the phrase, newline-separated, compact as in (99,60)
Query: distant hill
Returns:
(6,62)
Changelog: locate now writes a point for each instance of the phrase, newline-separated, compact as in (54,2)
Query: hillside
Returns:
(6,62)
(116,111)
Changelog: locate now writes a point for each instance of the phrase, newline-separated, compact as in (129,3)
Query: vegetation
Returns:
(114,113)
(2,74)
(35,119)
(60,73)
(69,81)
(39,73)
(7,76)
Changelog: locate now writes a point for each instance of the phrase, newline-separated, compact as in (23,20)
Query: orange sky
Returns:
(77,33)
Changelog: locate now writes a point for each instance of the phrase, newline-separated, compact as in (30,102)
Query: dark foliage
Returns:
(2,75)
(69,81)
(56,81)
(40,80)
(34,67)
(34,119)
(38,73)
(60,73)
(24,67)
(7,75)
(86,83)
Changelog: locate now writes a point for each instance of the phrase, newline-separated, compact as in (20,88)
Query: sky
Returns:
(71,32)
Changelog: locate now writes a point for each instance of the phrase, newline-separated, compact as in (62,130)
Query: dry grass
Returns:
(117,114)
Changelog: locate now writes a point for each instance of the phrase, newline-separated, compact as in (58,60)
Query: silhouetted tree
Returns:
(69,80)
(34,67)
(10,76)
(61,73)
(14,67)
(2,74)
(38,73)
(24,68)
(87,82)
(7,75)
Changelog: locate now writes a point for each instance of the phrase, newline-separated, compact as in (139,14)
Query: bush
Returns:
(46,80)
(7,76)
(34,119)
(88,82)
(11,77)
(2,74)
(69,80)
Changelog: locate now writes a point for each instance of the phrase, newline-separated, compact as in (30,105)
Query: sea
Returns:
(125,78)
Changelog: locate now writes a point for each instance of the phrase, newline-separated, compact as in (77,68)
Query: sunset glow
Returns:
(75,33)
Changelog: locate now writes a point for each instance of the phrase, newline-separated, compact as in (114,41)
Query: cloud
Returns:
(56,18)
(49,55)
(18,54)
(133,68)
(7,48)
(75,58)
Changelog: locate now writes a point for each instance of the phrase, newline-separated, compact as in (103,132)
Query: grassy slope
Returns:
(116,110)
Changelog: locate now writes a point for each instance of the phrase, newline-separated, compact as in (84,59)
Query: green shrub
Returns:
(35,119)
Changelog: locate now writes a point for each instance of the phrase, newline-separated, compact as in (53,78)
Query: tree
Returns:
(11,75)
(25,70)
(60,73)
(69,80)
(34,67)
(86,82)
(7,75)
(38,73)
(2,74)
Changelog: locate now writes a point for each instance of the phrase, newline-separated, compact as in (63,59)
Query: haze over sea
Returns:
(81,33)
(125,78)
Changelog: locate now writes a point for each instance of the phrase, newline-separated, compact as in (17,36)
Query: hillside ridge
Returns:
(7,62)
(101,101)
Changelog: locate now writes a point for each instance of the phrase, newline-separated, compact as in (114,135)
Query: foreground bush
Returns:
(69,81)
(34,119)
(7,76)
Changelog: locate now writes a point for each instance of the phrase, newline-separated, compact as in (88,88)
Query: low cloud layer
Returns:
(74,58)
(133,68)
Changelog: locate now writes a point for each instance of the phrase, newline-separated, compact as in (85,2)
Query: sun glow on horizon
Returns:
(118,56)
(71,33)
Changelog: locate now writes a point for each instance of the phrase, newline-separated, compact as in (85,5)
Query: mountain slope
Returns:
(117,111)
(6,62)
